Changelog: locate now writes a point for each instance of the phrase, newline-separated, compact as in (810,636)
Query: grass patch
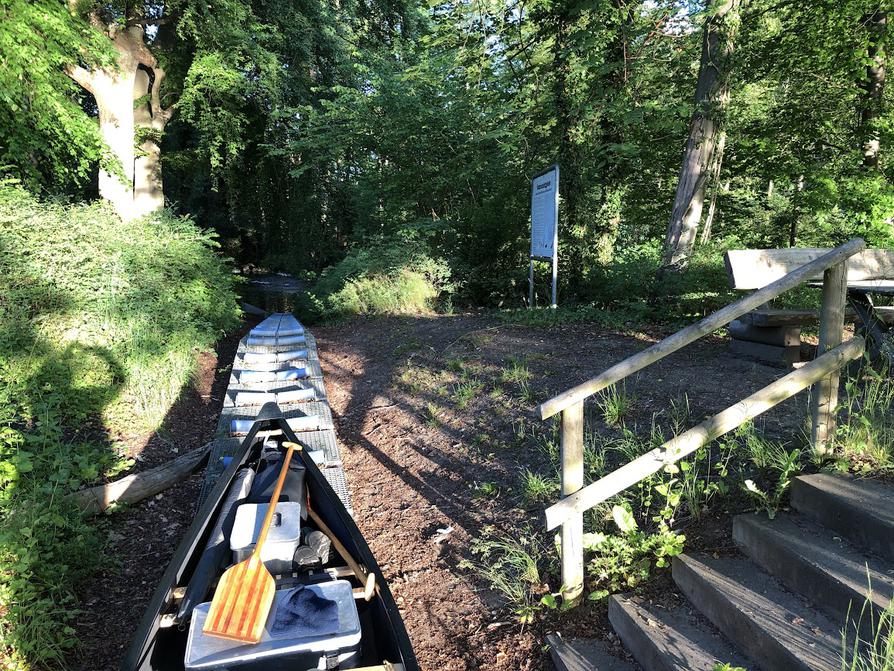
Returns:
(512,566)
(516,372)
(615,404)
(537,489)
(465,391)
(865,436)
(875,654)
(100,321)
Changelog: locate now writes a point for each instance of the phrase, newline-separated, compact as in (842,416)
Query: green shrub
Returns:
(100,322)
(385,276)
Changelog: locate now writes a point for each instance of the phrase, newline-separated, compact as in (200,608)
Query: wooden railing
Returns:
(823,372)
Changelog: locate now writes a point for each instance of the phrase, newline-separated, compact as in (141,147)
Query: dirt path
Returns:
(421,456)
(436,420)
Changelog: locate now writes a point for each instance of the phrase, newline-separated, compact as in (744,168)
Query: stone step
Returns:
(818,564)
(670,638)
(584,654)
(862,511)
(769,624)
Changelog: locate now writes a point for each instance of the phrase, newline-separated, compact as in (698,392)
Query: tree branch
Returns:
(82,76)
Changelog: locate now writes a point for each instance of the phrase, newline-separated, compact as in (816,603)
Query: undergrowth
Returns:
(395,276)
(100,322)
(873,651)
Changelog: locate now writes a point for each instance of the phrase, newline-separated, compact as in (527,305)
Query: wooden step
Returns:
(583,654)
(774,627)
(818,564)
(670,639)
(861,510)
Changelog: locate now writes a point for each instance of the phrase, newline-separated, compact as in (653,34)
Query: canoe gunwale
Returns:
(325,503)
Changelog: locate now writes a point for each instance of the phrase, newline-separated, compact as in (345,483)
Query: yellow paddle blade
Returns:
(242,602)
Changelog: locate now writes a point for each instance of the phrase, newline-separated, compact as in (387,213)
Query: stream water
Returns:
(272,292)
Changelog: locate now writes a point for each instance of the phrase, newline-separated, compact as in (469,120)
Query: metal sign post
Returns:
(544,226)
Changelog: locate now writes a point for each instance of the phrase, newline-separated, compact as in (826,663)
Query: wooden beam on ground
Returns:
(772,354)
(139,486)
(692,333)
(688,442)
(250,309)
(824,396)
(766,317)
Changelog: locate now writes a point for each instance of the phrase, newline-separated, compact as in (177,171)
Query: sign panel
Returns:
(545,213)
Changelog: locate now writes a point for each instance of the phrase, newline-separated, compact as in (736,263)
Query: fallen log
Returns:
(138,486)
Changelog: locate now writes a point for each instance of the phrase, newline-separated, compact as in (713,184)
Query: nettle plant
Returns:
(623,560)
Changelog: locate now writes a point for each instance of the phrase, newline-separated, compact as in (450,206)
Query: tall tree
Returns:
(131,117)
(873,87)
(712,94)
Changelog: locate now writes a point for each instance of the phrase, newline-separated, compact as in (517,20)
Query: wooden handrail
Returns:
(688,442)
(695,331)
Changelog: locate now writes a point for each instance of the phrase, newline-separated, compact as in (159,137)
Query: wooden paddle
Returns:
(367,579)
(244,595)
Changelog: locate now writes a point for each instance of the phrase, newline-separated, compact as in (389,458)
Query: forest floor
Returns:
(436,420)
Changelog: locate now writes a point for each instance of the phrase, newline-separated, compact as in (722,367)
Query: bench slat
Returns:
(773,317)
(756,268)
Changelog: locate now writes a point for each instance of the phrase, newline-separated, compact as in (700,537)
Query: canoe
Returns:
(349,631)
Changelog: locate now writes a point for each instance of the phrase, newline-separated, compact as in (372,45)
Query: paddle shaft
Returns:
(271,507)
(362,575)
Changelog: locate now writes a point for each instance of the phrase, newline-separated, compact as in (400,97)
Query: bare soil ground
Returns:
(420,458)
(436,421)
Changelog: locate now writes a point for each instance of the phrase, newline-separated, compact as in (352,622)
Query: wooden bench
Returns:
(774,335)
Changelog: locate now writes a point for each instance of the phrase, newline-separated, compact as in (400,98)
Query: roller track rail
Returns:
(277,361)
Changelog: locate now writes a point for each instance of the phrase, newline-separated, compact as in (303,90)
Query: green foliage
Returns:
(384,277)
(701,478)
(876,653)
(465,391)
(45,136)
(614,403)
(515,372)
(485,490)
(621,561)
(537,489)
(865,438)
(777,465)
(99,323)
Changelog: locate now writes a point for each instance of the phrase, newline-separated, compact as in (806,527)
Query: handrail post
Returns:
(572,534)
(824,394)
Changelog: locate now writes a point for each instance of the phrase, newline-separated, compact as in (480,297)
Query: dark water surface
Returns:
(273,292)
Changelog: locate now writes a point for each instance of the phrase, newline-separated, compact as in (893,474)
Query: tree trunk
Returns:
(127,96)
(150,122)
(712,93)
(873,88)
(568,155)
(715,187)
